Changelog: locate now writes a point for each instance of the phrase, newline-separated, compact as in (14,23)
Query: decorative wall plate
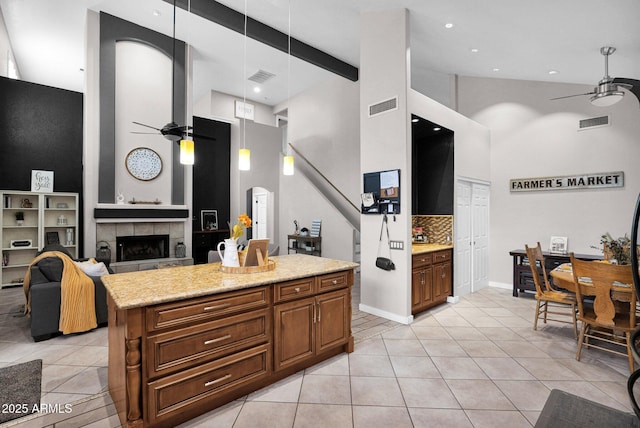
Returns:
(143,163)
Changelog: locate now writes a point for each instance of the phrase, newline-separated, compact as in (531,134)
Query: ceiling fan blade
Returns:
(148,126)
(144,133)
(571,96)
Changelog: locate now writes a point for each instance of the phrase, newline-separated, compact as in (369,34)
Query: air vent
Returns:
(594,122)
(261,76)
(384,106)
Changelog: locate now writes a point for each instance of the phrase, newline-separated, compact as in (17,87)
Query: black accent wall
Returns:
(40,128)
(211,170)
(432,169)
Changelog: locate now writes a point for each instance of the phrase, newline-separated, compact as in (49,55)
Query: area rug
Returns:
(20,389)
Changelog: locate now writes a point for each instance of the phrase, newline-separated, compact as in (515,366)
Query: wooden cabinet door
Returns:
(293,332)
(417,280)
(442,281)
(332,319)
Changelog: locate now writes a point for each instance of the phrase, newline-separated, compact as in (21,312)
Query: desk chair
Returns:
(562,303)
(605,321)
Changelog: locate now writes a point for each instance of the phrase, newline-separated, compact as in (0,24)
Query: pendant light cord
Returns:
(173,68)
(244,84)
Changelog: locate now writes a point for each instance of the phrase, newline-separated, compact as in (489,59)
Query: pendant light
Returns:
(244,154)
(187,156)
(287,160)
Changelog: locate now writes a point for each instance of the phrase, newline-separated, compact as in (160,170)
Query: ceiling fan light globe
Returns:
(606,99)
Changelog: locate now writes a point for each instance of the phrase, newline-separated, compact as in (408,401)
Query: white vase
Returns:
(230,257)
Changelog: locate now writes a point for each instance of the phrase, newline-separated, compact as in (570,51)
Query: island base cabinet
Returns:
(307,327)
(207,385)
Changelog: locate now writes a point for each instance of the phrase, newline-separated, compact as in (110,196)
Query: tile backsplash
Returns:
(435,227)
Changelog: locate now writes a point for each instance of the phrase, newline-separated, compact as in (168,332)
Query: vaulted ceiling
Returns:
(545,40)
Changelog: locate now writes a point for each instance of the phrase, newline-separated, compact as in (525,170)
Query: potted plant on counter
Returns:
(616,249)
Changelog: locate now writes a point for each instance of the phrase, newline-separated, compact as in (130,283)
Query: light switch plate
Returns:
(396,245)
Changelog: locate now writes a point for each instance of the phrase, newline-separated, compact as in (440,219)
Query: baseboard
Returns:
(504,285)
(453,299)
(384,314)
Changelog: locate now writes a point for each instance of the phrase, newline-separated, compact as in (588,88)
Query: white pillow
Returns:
(93,269)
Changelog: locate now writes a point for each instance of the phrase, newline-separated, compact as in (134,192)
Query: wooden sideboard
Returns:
(522,275)
(172,361)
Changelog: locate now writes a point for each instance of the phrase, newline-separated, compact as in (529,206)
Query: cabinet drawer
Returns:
(293,289)
(333,280)
(201,386)
(441,256)
(206,308)
(181,349)
(422,259)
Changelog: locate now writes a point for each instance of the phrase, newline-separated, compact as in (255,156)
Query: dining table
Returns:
(563,278)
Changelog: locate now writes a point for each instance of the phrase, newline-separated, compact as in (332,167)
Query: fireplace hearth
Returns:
(144,247)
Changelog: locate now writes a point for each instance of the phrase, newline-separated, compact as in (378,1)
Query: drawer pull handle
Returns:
(335,281)
(297,289)
(218,339)
(213,308)
(213,382)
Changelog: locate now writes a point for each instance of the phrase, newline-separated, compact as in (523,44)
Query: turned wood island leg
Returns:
(125,369)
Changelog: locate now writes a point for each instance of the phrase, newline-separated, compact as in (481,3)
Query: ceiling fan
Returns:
(171,131)
(608,90)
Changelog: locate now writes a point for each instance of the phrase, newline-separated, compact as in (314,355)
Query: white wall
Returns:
(535,137)
(324,126)
(385,144)
(6,52)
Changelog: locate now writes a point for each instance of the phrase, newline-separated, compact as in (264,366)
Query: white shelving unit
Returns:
(46,216)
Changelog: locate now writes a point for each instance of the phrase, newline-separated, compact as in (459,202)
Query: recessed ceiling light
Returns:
(437,128)
(156,12)
(448,25)
(474,50)
(414,120)
(553,71)
(256,89)
(496,69)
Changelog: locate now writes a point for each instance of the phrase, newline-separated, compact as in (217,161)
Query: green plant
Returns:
(19,215)
(619,249)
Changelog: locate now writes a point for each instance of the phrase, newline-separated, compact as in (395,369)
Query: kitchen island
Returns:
(185,340)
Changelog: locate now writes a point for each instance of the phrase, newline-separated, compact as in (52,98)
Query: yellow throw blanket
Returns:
(77,295)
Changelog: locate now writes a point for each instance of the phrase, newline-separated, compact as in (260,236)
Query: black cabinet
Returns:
(204,241)
(522,275)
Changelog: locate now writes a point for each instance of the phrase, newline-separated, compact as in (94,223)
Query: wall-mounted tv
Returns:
(381,193)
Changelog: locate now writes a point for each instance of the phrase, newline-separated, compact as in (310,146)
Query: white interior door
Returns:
(260,216)
(480,231)
(472,237)
(462,222)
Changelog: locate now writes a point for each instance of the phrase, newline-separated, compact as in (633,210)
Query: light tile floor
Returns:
(476,363)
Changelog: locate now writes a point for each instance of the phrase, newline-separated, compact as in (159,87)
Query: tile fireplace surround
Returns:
(108,232)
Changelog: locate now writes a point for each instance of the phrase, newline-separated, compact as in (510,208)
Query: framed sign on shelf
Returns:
(558,244)
(209,219)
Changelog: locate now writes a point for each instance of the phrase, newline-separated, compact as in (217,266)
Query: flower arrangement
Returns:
(243,222)
(618,249)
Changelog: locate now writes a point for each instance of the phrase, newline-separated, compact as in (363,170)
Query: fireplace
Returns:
(142,247)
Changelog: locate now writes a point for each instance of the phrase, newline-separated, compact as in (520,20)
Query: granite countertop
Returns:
(428,248)
(144,288)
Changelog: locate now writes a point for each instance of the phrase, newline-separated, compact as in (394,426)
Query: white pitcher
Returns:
(230,257)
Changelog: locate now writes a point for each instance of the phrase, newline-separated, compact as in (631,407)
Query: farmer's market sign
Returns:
(568,182)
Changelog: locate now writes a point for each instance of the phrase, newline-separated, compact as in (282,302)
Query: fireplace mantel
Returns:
(112,213)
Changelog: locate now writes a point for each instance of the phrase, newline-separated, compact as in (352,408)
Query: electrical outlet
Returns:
(396,245)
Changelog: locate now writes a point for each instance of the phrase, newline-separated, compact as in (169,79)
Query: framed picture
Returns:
(558,244)
(209,219)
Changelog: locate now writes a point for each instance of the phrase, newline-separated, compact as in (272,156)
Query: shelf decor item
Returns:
(181,250)
(19,218)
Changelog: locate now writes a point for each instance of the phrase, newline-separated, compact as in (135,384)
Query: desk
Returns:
(522,276)
(563,278)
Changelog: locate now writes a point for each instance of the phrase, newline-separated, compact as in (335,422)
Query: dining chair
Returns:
(611,319)
(549,300)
